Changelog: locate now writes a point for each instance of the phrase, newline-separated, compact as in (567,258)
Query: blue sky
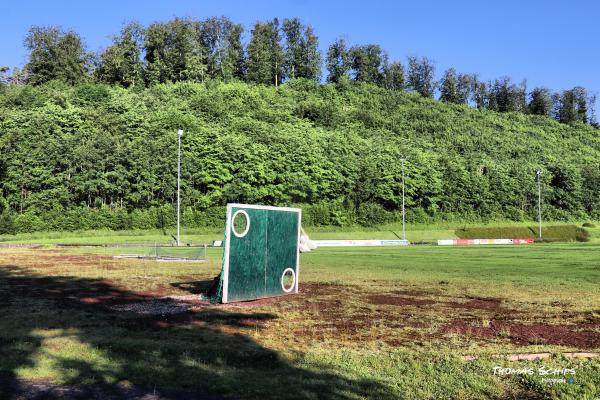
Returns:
(550,43)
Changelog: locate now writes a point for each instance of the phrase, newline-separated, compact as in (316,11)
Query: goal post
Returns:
(261,252)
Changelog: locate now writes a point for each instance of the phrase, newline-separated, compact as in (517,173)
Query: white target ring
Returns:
(293,285)
(245,214)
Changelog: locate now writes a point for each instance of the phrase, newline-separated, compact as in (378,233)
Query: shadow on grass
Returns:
(114,342)
(195,287)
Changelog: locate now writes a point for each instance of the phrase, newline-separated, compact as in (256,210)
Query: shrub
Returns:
(28,222)
(416,215)
(582,235)
(588,225)
(213,217)
(6,223)
(371,214)
(142,219)
(326,213)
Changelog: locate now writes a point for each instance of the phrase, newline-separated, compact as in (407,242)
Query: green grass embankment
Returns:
(552,233)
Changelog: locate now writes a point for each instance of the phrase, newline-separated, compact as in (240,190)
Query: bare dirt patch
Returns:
(410,292)
(331,311)
(489,304)
(418,298)
(382,299)
(402,317)
(575,335)
(258,302)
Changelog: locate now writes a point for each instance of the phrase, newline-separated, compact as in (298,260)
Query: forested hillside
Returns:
(88,139)
(93,155)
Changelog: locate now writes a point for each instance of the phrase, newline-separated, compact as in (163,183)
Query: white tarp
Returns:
(306,244)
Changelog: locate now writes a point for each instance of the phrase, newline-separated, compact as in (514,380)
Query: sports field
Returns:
(368,323)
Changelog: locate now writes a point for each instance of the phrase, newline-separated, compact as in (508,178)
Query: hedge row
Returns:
(551,233)
(333,213)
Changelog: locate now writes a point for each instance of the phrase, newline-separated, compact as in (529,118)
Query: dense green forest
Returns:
(188,49)
(94,155)
(89,140)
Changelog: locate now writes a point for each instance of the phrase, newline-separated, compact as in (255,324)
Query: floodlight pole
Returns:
(179,135)
(539,173)
(403,158)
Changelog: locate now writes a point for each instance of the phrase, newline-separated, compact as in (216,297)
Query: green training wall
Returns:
(256,258)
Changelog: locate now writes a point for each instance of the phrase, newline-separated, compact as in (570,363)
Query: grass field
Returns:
(369,323)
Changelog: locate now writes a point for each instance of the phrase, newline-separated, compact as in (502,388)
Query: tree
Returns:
(155,72)
(302,56)
(393,76)
(235,55)
(265,54)
(55,54)
(120,63)
(581,99)
(222,40)
(293,46)
(541,102)
(4,77)
(338,60)
(427,76)
(574,105)
(506,96)
(174,51)
(367,63)
(18,76)
(566,107)
(421,76)
(465,87)
(520,94)
(449,87)
(480,92)
(592,110)
(311,60)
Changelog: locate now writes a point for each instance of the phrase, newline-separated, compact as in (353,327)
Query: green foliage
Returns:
(265,54)
(372,214)
(449,87)
(55,54)
(7,223)
(98,156)
(421,76)
(174,51)
(541,102)
(27,222)
(393,76)
(120,63)
(506,96)
(367,63)
(338,60)
(222,40)
(572,105)
(192,50)
(302,56)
